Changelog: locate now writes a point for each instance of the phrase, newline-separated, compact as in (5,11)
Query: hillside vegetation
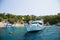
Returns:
(52,19)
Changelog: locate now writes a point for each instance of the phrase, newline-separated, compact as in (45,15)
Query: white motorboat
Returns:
(35,25)
(8,25)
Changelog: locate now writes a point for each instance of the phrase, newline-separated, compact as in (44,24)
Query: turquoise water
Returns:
(20,33)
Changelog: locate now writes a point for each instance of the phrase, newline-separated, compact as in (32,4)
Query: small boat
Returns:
(9,25)
(35,25)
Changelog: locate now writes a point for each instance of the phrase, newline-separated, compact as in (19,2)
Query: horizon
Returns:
(30,7)
(28,14)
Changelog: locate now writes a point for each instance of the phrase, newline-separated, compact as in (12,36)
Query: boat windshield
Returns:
(36,23)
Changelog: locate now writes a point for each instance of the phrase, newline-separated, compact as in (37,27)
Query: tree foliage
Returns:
(52,19)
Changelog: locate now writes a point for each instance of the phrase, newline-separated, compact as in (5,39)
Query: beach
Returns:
(3,24)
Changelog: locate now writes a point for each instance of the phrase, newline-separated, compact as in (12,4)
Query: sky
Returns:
(30,7)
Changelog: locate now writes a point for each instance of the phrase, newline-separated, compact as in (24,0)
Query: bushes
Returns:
(52,19)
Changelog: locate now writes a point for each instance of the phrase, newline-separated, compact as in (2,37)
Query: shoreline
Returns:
(2,24)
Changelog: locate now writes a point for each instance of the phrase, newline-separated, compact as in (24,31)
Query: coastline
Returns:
(2,24)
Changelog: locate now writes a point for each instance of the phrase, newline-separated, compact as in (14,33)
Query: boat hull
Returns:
(34,28)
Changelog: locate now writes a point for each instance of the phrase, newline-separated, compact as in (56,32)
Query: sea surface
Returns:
(20,33)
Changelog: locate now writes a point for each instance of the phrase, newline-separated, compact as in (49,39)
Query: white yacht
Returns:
(35,25)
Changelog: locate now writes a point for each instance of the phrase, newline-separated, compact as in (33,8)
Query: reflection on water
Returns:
(20,33)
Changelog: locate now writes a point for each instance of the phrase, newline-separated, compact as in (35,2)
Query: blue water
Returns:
(20,33)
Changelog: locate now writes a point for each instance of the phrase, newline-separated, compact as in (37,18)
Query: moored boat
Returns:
(9,25)
(35,25)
